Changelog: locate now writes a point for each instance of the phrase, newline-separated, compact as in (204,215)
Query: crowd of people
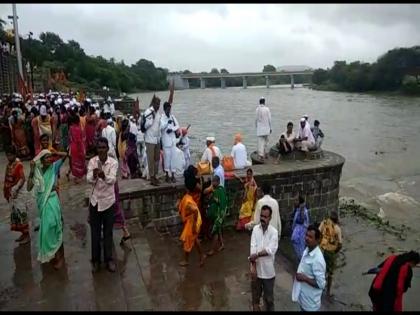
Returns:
(54,127)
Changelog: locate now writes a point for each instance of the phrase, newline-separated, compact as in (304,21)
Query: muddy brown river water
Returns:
(377,134)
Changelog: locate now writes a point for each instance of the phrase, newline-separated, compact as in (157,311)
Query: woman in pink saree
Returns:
(77,148)
(90,129)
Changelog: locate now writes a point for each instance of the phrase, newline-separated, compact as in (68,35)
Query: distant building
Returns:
(293,68)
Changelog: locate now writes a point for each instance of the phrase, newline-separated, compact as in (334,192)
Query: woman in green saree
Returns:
(216,213)
(43,179)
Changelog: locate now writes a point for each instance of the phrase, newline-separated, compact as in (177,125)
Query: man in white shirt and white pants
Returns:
(275,221)
(168,126)
(263,124)
(152,139)
(264,243)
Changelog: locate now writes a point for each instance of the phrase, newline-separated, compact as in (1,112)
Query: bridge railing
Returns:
(244,74)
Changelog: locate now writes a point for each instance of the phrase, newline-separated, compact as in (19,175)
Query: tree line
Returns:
(396,70)
(51,54)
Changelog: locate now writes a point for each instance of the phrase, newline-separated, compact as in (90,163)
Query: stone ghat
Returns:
(316,180)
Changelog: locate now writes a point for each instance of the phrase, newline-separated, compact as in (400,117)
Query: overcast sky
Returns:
(238,37)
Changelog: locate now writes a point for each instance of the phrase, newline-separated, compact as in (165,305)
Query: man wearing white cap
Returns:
(305,140)
(152,138)
(263,124)
(42,125)
(211,150)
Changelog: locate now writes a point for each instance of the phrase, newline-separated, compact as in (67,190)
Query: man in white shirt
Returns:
(133,127)
(141,147)
(110,134)
(264,243)
(102,174)
(305,140)
(311,272)
(263,124)
(275,221)
(239,153)
(211,150)
(152,139)
(286,141)
(218,170)
(168,126)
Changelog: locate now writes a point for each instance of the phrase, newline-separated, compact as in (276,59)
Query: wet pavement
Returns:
(148,276)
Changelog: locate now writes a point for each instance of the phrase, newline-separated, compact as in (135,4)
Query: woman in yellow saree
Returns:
(247,208)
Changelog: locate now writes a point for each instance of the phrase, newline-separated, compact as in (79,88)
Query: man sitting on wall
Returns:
(305,140)
(285,144)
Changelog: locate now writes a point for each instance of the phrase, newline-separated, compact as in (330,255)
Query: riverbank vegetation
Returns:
(61,65)
(397,70)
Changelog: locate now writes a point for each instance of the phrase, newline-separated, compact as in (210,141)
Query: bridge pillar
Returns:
(223,83)
(179,82)
(292,82)
(267,81)
(186,83)
(244,83)
(202,83)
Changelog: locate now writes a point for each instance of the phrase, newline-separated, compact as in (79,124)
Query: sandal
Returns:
(183,263)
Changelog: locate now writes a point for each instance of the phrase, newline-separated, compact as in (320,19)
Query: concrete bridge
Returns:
(181,80)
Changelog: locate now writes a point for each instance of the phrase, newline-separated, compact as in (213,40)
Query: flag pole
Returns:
(17,42)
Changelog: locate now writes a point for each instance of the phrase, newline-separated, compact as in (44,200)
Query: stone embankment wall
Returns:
(316,180)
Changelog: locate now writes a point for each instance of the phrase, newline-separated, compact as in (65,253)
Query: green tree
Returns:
(51,40)
(320,76)
(269,68)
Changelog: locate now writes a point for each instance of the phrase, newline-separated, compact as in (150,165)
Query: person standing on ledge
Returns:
(263,124)
(169,127)
(152,139)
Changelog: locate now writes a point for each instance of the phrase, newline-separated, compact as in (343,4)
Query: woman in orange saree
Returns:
(190,215)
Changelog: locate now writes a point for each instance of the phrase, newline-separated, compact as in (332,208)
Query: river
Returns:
(377,134)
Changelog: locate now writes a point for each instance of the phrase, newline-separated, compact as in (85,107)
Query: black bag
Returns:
(143,123)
